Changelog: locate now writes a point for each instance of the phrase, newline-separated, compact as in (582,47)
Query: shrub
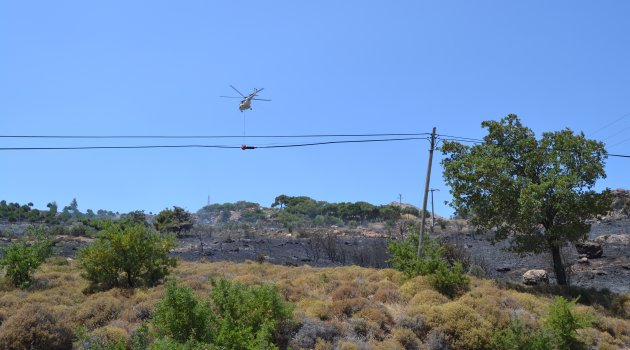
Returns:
(97,312)
(347,307)
(518,337)
(34,327)
(563,322)
(127,257)
(181,316)
(316,308)
(106,339)
(449,279)
(407,338)
(621,305)
(405,259)
(235,317)
(248,317)
(461,325)
(313,330)
(22,259)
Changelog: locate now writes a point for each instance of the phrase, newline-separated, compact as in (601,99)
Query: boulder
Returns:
(583,260)
(591,249)
(534,277)
(616,239)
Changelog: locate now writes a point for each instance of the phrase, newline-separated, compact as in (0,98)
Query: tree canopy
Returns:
(539,191)
(175,221)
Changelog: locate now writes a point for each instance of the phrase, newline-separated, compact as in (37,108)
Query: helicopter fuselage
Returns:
(245,104)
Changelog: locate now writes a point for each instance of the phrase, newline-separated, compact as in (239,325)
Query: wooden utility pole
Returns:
(432,211)
(426,192)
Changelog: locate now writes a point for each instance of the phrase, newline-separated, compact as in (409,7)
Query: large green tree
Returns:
(537,191)
(175,221)
(127,257)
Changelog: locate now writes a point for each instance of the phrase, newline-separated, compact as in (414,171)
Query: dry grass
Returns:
(370,308)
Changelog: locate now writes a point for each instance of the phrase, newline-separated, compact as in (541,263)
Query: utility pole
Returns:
(426,192)
(432,211)
(400,200)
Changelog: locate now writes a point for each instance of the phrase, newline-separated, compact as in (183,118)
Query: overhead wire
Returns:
(208,146)
(203,136)
(442,137)
(609,124)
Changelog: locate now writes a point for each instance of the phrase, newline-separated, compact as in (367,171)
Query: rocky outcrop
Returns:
(620,204)
(615,239)
(534,277)
(590,249)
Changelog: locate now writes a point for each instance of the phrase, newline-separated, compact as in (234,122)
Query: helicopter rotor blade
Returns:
(259,90)
(261,99)
(240,93)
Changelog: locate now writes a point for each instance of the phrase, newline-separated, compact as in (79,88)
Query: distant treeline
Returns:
(303,211)
(286,211)
(16,212)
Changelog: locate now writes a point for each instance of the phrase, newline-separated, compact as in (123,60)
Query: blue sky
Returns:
(158,67)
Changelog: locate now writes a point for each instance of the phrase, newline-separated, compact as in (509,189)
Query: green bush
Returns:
(448,279)
(563,322)
(235,317)
(127,257)
(518,337)
(405,258)
(248,317)
(22,259)
(181,316)
(558,331)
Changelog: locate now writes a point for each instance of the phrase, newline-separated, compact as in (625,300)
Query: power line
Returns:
(442,137)
(449,137)
(609,124)
(110,147)
(617,133)
(206,146)
(345,141)
(619,155)
(202,136)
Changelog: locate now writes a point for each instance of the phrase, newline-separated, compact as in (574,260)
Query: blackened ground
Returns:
(611,271)
(332,248)
(361,251)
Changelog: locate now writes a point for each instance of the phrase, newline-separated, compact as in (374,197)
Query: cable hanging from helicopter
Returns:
(246,103)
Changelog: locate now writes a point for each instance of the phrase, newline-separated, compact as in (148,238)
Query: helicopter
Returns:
(246,102)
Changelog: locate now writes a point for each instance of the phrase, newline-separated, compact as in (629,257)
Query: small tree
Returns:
(22,259)
(563,322)
(175,221)
(180,315)
(127,257)
(537,191)
(447,278)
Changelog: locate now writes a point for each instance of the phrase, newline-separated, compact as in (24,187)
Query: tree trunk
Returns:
(129,279)
(558,267)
